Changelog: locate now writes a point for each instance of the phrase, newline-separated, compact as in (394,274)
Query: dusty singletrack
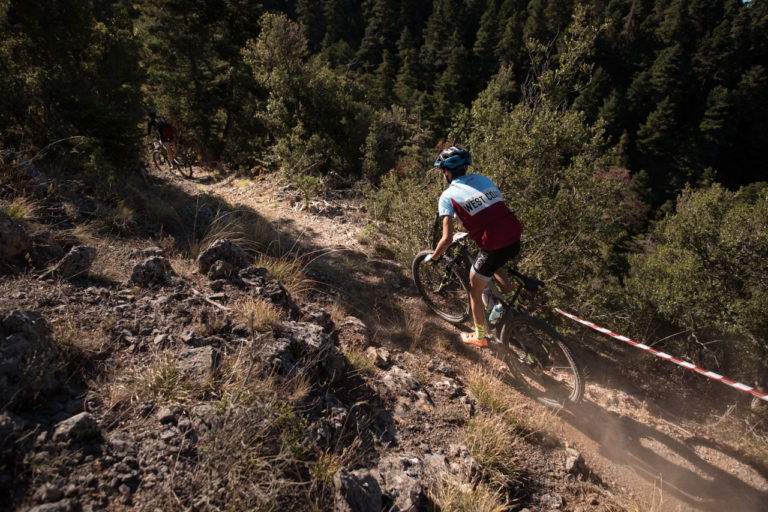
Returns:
(653,442)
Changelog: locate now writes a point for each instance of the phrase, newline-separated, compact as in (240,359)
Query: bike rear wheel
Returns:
(544,360)
(445,291)
(183,165)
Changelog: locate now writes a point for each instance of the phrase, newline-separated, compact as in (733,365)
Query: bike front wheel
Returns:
(446,291)
(160,159)
(544,360)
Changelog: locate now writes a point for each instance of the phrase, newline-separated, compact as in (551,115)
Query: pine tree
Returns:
(379,32)
(486,40)
(407,81)
(196,74)
(536,24)
(71,77)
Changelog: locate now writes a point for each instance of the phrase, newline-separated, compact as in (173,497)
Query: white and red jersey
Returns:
(477,201)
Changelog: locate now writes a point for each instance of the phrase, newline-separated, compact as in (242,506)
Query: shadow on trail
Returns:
(665,462)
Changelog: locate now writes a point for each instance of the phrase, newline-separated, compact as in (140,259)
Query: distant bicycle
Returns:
(181,163)
(537,352)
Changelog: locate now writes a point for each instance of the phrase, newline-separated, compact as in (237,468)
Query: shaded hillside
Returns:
(158,373)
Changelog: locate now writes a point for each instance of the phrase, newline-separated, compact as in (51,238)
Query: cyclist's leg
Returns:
(477,284)
(174,149)
(491,263)
(169,141)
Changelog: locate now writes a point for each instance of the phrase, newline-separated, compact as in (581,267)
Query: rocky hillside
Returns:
(135,375)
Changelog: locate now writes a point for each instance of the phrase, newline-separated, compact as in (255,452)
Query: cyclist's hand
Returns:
(429,260)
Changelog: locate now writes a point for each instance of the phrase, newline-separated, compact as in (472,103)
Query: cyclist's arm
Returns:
(447,238)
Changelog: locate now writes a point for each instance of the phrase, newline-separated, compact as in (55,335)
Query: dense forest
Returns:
(627,134)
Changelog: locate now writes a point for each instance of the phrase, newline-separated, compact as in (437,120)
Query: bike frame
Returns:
(512,306)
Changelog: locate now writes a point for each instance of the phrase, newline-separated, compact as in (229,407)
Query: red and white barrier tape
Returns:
(663,355)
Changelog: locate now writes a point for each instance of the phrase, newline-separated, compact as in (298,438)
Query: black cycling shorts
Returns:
(488,262)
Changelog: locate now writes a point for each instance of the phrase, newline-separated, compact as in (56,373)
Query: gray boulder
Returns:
(312,343)
(76,262)
(223,250)
(14,241)
(401,479)
(220,269)
(153,270)
(80,426)
(356,491)
(195,364)
(29,360)
(353,334)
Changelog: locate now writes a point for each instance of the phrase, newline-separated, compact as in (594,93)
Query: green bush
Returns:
(312,114)
(704,272)
(70,84)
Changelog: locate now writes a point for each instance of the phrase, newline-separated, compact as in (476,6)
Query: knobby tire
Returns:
(548,367)
(447,294)
(183,166)
(160,159)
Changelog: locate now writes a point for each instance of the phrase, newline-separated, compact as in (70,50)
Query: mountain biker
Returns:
(477,202)
(164,131)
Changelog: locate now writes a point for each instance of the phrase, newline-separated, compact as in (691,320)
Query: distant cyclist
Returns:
(164,131)
(477,202)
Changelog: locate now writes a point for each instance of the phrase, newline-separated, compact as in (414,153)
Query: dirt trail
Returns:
(641,437)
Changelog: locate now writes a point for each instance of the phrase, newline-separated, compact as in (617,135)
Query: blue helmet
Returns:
(453,157)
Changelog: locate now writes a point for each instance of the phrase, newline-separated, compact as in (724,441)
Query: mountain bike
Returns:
(535,351)
(181,163)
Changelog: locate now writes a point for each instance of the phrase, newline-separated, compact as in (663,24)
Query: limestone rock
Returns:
(223,250)
(14,241)
(80,426)
(353,334)
(356,491)
(76,262)
(153,270)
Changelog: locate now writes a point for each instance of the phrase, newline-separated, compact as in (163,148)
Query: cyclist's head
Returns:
(454,159)
(152,112)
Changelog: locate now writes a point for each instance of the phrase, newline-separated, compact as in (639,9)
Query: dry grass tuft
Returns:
(490,393)
(652,503)
(492,443)
(257,314)
(185,267)
(447,494)
(89,233)
(360,362)
(158,380)
(21,208)
(338,312)
(493,395)
(121,217)
(291,272)
(248,230)
(413,329)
